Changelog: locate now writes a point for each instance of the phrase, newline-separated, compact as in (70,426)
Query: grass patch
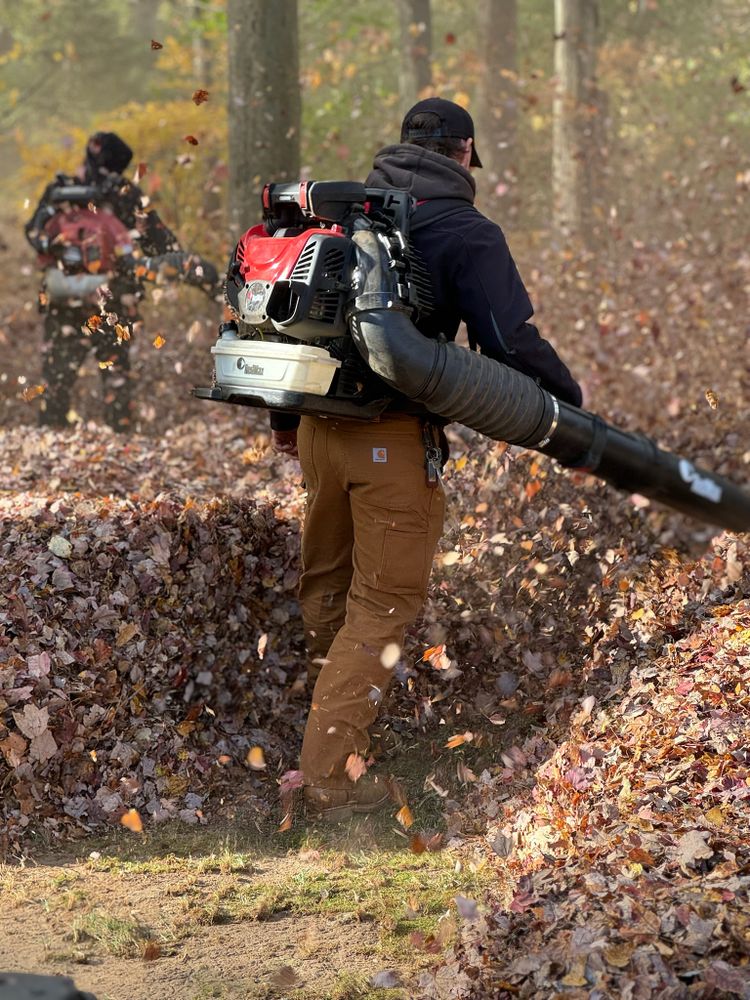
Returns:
(348,986)
(400,893)
(354,987)
(23,886)
(69,899)
(123,938)
(12,890)
(224,863)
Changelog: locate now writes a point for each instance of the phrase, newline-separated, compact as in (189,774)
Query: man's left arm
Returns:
(160,248)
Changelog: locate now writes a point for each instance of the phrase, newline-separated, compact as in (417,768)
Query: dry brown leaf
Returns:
(31,392)
(355,766)
(405,817)
(692,847)
(618,955)
(436,657)
(150,951)
(132,821)
(715,816)
(458,739)
(256,759)
(712,399)
(127,632)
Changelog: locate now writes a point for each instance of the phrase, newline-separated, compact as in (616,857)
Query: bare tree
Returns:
(415,73)
(264,102)
(575,106)
(497,107)
(144,15)
(201,52)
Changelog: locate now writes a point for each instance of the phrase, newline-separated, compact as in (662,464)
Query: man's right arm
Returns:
(528,352)
(496,308)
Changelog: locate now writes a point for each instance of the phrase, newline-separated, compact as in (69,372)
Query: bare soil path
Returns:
(181,912)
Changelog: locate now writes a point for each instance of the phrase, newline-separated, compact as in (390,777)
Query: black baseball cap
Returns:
(455,123)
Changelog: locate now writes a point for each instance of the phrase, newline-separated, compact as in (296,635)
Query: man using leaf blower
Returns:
(97,241)
(375,499)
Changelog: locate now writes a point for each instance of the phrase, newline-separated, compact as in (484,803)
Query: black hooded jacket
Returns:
(474,276)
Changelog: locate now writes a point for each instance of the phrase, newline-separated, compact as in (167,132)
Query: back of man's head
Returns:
(442,127)
(106,152)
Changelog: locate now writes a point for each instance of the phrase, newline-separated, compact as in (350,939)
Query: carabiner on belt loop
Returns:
(433,457)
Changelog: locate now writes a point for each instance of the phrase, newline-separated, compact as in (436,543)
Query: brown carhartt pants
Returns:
(370,534)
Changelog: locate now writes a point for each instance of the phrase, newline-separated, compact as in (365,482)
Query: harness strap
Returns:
(435,210)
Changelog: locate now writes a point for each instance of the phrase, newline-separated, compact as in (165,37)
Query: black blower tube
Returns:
(506,405)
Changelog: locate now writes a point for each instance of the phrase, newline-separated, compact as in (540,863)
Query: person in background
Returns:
(97,241)
(374,511)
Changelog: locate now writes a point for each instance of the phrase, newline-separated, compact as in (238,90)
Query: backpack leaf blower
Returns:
(326,293)
(83,242)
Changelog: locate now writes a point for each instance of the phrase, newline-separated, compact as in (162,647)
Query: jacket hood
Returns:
(422,173)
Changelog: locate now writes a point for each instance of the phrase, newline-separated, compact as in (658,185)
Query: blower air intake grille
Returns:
(334,263)
(301,270)
(325,307)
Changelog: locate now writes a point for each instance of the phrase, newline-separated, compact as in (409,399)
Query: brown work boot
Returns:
(336,804)
(384,742)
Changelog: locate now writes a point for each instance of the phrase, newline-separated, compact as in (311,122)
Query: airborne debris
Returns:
(132,821)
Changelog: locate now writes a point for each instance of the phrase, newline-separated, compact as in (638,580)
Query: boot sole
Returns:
(336,814)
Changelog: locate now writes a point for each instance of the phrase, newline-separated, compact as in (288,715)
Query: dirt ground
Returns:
(221,961)
(228,925)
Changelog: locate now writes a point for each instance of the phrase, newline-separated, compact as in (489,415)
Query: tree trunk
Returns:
(264,103)
(497,108)
(415,74)
(145,18)
(201,53)
(573,113)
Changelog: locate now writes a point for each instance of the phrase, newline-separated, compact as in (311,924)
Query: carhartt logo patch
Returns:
(380,454)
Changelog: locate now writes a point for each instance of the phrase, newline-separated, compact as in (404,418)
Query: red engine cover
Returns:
(99,236)
(271,258)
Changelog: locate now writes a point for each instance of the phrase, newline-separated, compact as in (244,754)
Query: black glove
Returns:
(202,272)
(177,265)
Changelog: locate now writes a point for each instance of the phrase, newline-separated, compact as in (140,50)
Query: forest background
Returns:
(578,748)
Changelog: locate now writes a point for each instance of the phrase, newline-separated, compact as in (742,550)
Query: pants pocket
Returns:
(408,546)
(305,445)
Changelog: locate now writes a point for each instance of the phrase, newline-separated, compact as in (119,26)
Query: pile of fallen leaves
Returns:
(623,831)
(135,660)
